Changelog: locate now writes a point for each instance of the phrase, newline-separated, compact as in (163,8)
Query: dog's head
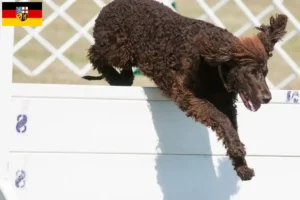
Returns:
(247,72)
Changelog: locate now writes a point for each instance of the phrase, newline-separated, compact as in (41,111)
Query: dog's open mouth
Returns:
(248,103)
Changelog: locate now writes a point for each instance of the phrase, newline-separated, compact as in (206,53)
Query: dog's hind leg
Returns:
(114,78)
(107,71)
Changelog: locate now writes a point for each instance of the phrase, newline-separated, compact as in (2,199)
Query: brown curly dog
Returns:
(200,66)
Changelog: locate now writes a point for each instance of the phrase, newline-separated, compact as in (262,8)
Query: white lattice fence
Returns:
(71,51)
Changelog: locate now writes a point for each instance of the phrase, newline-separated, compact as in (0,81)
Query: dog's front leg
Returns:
(225,103)
(206,113)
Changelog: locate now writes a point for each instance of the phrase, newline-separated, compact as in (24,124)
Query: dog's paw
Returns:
(245,173)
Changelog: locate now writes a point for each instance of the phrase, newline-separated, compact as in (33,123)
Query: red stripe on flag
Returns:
(13,13)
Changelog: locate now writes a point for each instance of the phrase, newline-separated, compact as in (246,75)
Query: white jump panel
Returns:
(143,124)
(99,142)
(148,177)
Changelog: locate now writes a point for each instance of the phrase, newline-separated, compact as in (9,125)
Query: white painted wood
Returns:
(148,177)
(115,143)
(98,143)
(85,92)
(58,91)
(7,192)
(139,126)
(6,56)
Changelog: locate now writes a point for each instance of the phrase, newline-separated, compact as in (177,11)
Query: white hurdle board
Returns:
(117,143)
(99,142)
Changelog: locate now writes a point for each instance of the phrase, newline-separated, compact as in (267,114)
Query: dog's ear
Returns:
(217,58)
(269,35)
(211,50)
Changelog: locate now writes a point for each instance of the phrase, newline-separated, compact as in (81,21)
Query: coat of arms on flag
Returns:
(22,13)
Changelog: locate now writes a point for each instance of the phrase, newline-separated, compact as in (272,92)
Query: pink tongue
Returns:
(251,106)
(249,102)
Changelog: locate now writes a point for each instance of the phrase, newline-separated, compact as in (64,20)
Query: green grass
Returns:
(32,54)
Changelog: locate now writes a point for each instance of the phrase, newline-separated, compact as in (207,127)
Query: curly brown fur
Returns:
(200,66)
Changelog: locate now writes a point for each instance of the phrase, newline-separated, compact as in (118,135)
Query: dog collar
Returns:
(223,79)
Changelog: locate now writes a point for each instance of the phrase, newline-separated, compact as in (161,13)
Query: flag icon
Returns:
(22,14)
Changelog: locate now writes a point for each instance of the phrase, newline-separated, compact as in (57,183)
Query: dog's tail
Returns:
(93,78)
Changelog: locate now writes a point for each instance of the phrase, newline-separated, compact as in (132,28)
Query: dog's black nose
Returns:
(267,98)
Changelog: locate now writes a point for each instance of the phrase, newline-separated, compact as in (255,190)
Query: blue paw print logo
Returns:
(21,123)
(293,96)
(20,179)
